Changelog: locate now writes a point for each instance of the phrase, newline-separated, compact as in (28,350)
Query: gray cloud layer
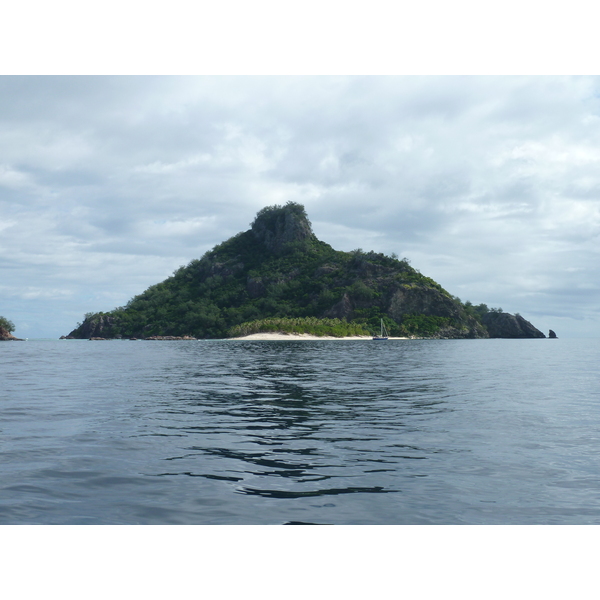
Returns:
(490,185)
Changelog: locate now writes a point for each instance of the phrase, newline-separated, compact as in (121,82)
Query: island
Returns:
(278,278)
(6,327)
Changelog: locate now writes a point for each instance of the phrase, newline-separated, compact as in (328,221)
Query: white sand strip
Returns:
(303,336)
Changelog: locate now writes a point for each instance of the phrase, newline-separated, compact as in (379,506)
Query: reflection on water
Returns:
(296,417)
(298,432)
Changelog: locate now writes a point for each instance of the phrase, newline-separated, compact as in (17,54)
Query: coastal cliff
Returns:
(94,326)
(279,269)
(504,325)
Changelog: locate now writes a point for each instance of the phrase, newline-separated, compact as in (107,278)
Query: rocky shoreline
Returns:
(167,338)
(7,336)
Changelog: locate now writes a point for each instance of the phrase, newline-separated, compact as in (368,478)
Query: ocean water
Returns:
(300,432)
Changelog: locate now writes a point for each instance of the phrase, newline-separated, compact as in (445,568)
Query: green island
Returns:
(6,329)
(278,277)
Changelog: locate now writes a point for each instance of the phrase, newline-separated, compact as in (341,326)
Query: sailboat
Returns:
(384,333)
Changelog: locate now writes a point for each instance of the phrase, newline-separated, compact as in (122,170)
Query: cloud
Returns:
(489,184)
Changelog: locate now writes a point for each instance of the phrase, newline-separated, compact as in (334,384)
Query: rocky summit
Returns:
(279,272)
(276,229)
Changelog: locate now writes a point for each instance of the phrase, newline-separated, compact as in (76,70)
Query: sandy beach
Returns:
(303,336)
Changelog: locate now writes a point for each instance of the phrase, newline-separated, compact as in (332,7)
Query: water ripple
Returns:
(473,431)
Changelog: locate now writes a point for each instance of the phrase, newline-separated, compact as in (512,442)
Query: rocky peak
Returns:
(276,226)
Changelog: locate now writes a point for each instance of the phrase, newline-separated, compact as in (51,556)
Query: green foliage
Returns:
(370,318)
(480,310)
(310,325)
(361,292)
(6,324)
(424,325)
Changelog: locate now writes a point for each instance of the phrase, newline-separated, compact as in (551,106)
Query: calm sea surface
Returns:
(328,432)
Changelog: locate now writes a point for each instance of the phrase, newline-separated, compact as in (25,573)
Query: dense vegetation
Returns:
(279,270)
(310,325)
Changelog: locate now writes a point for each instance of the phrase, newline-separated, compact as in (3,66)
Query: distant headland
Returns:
(277,277)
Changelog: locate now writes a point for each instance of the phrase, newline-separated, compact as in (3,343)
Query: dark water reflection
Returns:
(297,417)
(300,432)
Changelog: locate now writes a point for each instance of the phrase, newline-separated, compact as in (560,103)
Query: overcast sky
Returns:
(489,185)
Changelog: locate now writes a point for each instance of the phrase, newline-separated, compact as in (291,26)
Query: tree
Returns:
(6,324)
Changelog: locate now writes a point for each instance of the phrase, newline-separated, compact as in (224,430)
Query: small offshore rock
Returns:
(552,335)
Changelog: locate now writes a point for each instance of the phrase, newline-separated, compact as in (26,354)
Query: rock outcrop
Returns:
(408,300)
(7,336)
(505,325)
(97,327)
(276,228)
(551,335)
(344,309)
